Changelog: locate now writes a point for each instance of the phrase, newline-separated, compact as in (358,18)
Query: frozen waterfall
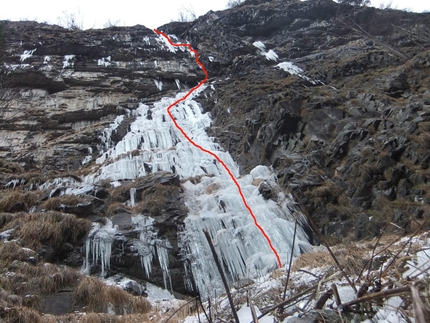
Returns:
(154,144)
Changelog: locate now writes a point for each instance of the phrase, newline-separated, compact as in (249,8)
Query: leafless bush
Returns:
(71,20)
(186,14)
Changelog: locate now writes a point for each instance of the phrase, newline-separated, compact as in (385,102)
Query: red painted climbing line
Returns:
(208,151)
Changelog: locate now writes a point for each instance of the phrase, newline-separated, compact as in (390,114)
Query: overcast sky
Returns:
(151,13)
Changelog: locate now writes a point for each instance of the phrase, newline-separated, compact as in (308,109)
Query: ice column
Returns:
(163,258)
(99,246)
(132,196)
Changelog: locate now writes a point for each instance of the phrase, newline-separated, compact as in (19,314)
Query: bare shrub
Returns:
(71,20)
(186,14)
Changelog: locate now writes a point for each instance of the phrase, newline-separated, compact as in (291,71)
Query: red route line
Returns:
(208,151)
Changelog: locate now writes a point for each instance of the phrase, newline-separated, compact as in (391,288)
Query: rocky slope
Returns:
(335,98)
(348,132)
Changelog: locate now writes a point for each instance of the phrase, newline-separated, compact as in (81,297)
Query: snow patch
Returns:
(5,235)
(68,61)
(260,45)
(104,61)
(292,69)
(156,293)
(289,67)
(245,315)
(271,55)
(261,50)
(27,54)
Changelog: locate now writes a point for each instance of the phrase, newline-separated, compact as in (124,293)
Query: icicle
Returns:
(99,245)
(132,196)
(163,258)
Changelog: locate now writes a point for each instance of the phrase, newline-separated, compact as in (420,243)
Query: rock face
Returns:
(335,98)
(341,111)
(61,88)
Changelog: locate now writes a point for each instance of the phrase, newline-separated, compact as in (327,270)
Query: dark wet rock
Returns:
(366,227)
(265,190)
(396,85)
(401,219)
(162,178)
(338,229)
(60,303)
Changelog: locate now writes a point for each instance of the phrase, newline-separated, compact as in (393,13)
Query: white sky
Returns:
(150,13)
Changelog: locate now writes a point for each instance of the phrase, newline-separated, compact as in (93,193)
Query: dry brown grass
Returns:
(95,296)
(28,278)
(424,140)
(18,315)
(121,193)
(115,208)
(51,228)
(52,203)
(155,199)
(194,179)
(352,258)
(212,188)
(13,199)
(10,251)
(5,218)
(328,192)
(8,167)
(154,317)
(55,202)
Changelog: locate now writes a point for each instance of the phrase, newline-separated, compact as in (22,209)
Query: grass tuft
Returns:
(96,296)
(14,200)
(49,228)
